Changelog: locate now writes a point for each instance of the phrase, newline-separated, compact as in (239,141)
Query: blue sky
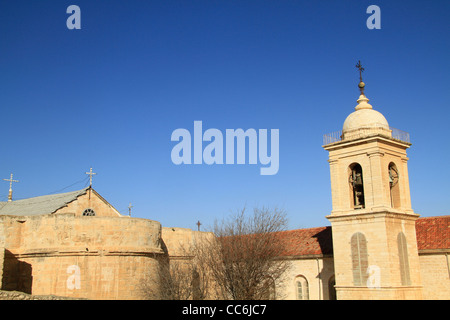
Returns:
(109,96)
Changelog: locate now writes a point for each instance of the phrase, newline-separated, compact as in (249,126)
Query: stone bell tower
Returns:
(373,225)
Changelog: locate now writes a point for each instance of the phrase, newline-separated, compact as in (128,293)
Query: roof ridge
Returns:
(292,230)
(55,195)
(434,217)
(45,204)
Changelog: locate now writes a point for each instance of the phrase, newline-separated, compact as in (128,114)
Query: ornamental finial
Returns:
(361,84)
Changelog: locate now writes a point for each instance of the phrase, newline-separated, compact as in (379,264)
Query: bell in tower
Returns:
(356,183)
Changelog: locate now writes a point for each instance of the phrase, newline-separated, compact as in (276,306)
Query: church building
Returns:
(377,247)
(77,245)
(372,221)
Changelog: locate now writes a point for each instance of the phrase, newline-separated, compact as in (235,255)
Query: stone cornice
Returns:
(389,213)
(114,251)
(374,138)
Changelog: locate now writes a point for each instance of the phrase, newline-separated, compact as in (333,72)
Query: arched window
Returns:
(394,185)
(301,288)
(403,257)
(332,288)
(356,186)
(89,212)
(267,290)
(360,261)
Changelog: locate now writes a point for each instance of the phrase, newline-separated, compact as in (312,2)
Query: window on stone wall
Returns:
(268,289)
(302,289)
(89,212)
(360,261)
(403,257)
(332,288)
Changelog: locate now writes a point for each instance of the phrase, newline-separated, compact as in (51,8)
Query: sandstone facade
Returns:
(73,256)
(106,256)
(109,257)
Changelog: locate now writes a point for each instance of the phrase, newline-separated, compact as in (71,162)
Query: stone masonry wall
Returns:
(17,295)
(317,272)
(435,275)
(82,257)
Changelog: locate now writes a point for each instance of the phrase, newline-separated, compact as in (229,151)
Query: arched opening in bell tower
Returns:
(356,186)
(394,190)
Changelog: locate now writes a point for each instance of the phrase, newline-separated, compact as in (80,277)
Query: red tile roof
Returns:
(431,233)
(302,242)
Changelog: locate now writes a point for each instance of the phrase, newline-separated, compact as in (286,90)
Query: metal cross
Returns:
(90,173)
(10,186)
(129,209)
(198,225)
(361,69)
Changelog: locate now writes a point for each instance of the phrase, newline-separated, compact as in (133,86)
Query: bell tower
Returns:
(373,224)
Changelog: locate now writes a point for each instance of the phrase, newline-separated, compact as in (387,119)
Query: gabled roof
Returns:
(39,205)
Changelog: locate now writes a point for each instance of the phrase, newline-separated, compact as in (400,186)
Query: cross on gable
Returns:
(90,173)
(11,180)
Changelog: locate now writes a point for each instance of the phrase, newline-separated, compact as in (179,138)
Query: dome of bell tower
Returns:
(364,121)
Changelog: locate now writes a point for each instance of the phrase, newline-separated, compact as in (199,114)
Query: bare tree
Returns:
(243,260)
(239,259)
(176,279)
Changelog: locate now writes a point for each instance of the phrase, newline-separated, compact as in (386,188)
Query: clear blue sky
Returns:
(110,95)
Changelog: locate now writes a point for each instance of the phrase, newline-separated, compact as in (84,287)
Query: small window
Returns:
(89,212)
(332,288)
(268,289)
